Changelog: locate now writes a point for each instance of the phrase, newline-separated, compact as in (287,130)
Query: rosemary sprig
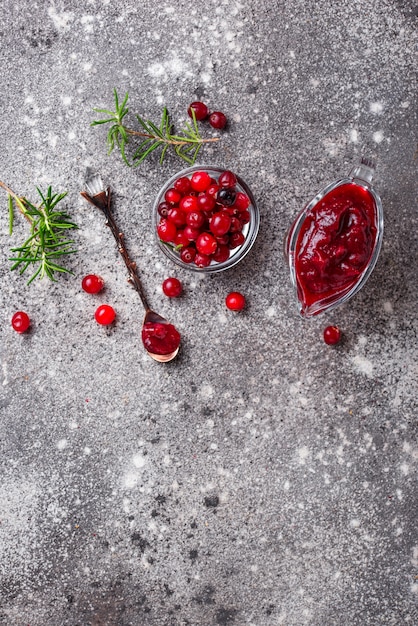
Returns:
(47,241)
(186,145)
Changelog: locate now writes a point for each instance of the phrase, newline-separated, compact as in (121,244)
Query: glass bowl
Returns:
(250,215)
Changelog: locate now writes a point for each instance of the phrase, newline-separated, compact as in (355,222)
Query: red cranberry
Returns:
(200,109)
(206,202)
(172,196)
(213,190)
(92,283)
(189,203)
(206,244)
(217,120)
(166,230)
(202,260)
(236,239)
(226,196)
(223,240)
(181,239)
(20,322)
(191,232)
(220,223)
(196,219)
(221,254)
(245,217)
(200,181)
(163,209)
(188,254)
(182,184)
(236,225)
(172,287)
(177,216)
(235,301)
(332,335)
(227,179)
(242,201)
(105,314)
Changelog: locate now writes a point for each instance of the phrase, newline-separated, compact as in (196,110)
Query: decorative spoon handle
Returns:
(102,201)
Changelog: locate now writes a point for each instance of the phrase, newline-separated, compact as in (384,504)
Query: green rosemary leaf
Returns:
(141,157)
(194,123)
(143,124)
(105,111)
(164,150)
(123,133)
(11,213)
(155,129)
(115,93)
(142,146)
(182,155)
(122,151)
(125,100)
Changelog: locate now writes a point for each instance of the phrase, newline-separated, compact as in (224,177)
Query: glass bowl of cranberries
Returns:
(205,219)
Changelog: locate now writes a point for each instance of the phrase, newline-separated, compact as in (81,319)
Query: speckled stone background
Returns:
(262,478)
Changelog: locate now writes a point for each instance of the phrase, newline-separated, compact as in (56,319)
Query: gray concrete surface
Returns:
(262,478)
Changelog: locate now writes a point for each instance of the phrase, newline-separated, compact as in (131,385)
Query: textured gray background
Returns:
(111,464)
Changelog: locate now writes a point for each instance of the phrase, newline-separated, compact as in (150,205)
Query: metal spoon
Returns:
(101,198)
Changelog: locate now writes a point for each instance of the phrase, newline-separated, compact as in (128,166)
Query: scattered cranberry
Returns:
(172,287)
(200,109)
(332,335)
(20,322)
(105,314)
(92,283)
(235,301)
(217,120)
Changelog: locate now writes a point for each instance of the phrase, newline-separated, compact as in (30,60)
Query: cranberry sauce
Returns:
(160,338)
(335,244)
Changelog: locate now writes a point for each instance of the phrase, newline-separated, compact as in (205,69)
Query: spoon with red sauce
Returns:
(160,338)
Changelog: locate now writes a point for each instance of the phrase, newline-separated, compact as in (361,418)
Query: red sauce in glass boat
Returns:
(335,244)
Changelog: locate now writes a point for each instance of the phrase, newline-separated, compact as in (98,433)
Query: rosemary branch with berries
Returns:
(186,145)
(48,239)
